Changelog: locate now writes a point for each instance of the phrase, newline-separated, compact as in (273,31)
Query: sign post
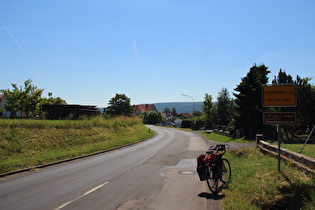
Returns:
(283,95)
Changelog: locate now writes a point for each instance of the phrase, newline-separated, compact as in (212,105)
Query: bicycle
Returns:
(213,168)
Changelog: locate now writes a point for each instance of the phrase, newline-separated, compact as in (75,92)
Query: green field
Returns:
(27,143)
(309,149)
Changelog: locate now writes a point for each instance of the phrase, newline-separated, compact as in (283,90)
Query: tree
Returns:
(25,100)
(152,117)
(198,122)
(208,110)
(174,112)
(249,110)
(197,114)
(119,105)
(305,109)
(52,100)
(305,104)
(282,78)
(224,107)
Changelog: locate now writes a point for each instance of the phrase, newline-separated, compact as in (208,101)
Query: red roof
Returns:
(188,115)
(143,108)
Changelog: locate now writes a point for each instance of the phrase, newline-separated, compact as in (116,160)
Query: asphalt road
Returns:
(156,174)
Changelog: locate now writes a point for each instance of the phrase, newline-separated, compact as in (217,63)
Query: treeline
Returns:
(26,100)
(244,112)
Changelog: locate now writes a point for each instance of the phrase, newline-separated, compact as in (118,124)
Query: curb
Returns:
(72,159)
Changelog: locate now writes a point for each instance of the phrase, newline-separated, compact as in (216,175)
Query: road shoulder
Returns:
(181,189)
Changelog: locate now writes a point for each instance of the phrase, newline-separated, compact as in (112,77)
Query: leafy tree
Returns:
(52,100)
(198,122)
(119,105)
(208,110)
(197,114)
(152,117)
(248,115)
(25,100)
(224,107)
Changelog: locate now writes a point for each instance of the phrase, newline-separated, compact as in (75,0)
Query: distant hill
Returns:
(181,107)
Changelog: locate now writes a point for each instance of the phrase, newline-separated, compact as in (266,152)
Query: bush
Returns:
(186,123)
(152,117)
(198,123)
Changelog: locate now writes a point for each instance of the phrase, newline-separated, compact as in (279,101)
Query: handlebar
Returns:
(219,147)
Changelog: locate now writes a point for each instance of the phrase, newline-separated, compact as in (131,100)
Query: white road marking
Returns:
(81,196)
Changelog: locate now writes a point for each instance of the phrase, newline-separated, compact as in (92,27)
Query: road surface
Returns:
(156,174)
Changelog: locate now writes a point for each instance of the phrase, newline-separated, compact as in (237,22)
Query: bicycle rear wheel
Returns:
(212,181)
(226,171)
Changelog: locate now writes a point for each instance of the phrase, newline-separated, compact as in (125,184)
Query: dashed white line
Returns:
(81,196)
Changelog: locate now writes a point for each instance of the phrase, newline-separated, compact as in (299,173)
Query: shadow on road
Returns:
(211,196)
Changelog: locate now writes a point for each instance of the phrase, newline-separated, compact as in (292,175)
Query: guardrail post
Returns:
(258,138)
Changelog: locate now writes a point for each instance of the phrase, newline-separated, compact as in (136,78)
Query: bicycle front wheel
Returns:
(226,171)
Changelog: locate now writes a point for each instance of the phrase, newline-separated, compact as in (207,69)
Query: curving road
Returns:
(155,174)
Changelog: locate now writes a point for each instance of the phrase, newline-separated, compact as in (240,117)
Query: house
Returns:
(167,115)
(186,115)
(178,123)
(142,108)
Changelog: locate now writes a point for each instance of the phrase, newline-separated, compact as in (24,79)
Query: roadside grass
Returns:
(221,138)
(309,149)
(257,184)
(27,143)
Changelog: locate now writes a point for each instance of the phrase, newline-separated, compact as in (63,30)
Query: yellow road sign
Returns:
(279,95)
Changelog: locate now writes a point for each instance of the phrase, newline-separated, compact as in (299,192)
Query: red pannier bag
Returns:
(214,157)
(201,167)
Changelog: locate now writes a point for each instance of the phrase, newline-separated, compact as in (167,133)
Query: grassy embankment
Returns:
(257,184)
(309,149)
(27,143)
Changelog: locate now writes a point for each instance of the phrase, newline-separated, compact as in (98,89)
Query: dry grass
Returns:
(26,143)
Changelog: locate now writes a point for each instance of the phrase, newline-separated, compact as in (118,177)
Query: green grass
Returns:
(27,143)
(309,149)
(257,184)
(220,138)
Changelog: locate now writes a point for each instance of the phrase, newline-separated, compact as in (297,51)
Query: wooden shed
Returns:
(56,112)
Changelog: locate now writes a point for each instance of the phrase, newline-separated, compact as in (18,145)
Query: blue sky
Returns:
(85,51)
